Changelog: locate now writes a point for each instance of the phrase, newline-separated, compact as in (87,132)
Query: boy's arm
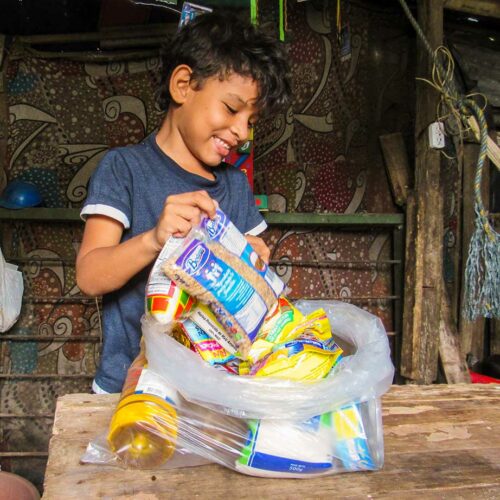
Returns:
(104,264)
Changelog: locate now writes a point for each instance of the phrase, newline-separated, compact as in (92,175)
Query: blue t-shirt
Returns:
(131,185)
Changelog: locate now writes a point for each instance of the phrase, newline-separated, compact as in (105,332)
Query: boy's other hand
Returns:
(180,213)
(260,247)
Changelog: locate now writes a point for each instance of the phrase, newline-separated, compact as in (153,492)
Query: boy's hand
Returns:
(180,213)
(260,247)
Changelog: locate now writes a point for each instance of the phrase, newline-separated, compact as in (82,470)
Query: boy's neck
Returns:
(167,140)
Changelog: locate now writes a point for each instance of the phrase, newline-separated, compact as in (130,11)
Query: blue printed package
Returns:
(278,448)
(334,441)
(222,230)
(351,443)
(206,270)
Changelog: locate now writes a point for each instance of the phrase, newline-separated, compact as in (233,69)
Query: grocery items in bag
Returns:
(223,231)
(204,317)
(275,447)
(165,301)
(208,348)
(143,430)
(217,277)
(300,359)
(260,386)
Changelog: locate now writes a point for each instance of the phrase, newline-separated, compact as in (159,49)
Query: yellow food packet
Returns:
(301,359)
(282,320)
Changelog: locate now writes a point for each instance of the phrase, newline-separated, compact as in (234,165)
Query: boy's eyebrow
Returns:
(238,98)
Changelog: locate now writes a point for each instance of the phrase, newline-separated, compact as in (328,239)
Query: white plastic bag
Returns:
(364,375)
(260,426)
(11,294)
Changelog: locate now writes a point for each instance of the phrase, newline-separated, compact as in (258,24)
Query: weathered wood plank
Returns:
(424,265)
(440,442)
(397,165)
(488,8)
(453,361)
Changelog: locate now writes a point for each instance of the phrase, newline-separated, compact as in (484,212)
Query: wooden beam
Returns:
(424,267)
(487,8)
(453,361)
(397,165)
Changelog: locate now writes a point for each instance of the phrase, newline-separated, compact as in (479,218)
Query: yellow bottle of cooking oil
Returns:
(143,429)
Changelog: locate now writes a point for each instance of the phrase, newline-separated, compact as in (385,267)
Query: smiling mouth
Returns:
(223,145)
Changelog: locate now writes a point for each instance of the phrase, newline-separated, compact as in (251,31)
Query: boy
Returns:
(221,74)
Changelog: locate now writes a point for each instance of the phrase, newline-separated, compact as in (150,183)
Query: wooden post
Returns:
(424,267)
(471,332)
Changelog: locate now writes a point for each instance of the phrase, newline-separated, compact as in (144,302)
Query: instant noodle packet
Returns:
(208,348)
(280,322)
(300,359)
(286,323)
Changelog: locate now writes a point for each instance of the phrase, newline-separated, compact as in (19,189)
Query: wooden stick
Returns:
(397,165)
(493,151)
(453,361)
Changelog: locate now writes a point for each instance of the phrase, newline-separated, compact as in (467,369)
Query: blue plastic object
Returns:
(20,194)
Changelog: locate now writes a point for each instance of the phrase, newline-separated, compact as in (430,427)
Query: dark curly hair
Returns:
(220,43)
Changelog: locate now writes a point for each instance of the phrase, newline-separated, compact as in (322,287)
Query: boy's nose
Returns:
(240,129)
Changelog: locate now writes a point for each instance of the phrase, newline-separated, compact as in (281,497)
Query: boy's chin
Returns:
(213,162)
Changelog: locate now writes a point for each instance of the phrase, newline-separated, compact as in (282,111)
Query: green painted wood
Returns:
(272,218)
(314,219)
(41,214)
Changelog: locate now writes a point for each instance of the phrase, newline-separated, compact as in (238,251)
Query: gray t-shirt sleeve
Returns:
(255,223)
(110,189)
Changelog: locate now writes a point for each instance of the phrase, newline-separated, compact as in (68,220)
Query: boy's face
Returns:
(214,118)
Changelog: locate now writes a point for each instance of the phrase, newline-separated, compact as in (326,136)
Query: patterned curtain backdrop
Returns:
(63,117)
(321,155)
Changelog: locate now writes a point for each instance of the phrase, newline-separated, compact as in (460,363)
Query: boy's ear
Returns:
(180,81)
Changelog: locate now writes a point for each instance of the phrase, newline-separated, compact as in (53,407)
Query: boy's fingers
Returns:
(178,226)
(200,199)
(260,247)
(187,212)
(205,203)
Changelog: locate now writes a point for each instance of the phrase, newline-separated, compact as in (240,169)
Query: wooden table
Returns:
(440,442)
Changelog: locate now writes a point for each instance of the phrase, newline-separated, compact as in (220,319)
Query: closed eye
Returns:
(230,109)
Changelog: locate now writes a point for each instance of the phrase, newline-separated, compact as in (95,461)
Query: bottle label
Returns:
(150,383)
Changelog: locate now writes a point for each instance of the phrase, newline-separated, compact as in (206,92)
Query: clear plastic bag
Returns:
(11,294)
(259,426)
